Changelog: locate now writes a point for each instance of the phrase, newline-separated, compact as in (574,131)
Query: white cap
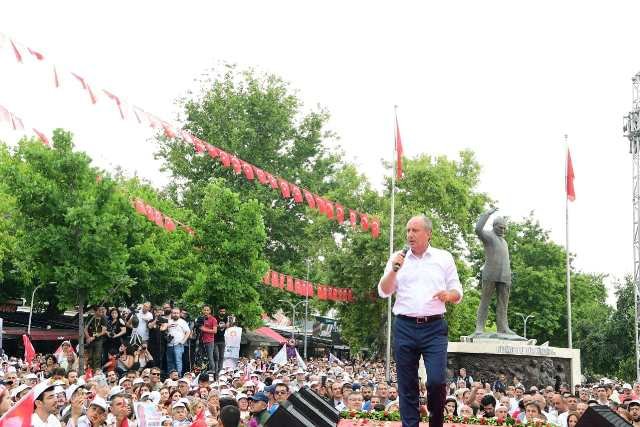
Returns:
(184,380)
(66,410)
(627,386)
(241,396)
(300,371)
(155,396)
(122,380)
(31,377)
(144,395)
(100,403)
(41,388)
(226,393)
(178,404)
(138,381)
(16,391)
(72,390)
(115,390)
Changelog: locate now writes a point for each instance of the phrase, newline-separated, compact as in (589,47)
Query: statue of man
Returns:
(496,273)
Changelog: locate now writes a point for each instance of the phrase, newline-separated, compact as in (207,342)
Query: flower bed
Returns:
(392,419)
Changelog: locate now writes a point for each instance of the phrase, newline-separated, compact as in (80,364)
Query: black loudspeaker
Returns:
(304,409)
(601,416)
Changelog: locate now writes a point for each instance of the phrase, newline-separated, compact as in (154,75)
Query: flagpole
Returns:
(387,366)
(566,217)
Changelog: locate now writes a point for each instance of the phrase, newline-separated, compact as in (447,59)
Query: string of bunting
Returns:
(304,288)
(160,219)
(332,210)
(16,123)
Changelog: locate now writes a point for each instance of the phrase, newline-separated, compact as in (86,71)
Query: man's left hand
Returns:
(446,296)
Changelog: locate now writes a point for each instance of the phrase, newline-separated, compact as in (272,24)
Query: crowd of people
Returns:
(136,367)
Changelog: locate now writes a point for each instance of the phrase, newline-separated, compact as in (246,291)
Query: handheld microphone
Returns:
(405,249)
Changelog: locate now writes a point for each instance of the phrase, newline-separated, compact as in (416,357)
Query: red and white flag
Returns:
(571,191)
(20,414)
(29,351)
(399,151)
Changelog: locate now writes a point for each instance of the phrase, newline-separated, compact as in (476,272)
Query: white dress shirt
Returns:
(419,279)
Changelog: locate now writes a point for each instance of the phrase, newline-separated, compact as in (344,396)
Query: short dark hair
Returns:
(488,400)
(60,371)
(225,401)
(534,404)
(230,416)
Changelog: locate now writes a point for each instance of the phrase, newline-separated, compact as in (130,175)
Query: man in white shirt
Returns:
(424,279)
(46,406)
(144,317)
(179,332)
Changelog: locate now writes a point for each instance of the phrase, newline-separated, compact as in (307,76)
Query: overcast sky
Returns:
(505,79)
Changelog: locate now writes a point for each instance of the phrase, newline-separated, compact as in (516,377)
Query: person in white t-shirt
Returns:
(179,333)
(46,404)
(144,316)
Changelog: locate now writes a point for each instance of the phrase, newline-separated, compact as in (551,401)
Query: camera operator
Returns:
(141,329)
(208,326)
(222,319)
(158,335)
(95,333)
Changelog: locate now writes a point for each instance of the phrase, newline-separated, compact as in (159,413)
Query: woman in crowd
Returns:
(451,407)
(126,360)
(116,330)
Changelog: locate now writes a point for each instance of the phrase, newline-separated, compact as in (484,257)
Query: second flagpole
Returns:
(566,218)
(387,365)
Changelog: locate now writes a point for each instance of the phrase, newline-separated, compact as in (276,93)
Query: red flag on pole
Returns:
(399,151)
(571,191)
(42,137)
(20,414)
(29,351)
(16,52)
(199,420)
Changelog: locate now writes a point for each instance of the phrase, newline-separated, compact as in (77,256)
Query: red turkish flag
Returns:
(275,279)
(86,87)
(571,191)
(140,207)
(328,209)
(291,284)
(36,54)
(267,278)
(320,204)
(16,122)
(282,278)
(284,189)
(353,217)
(248,170)
(236,165)
(5,115)
(151,213)
(168,130)
(334,294)
(272,181)
(42,137)
(198,145)
(29,351)
(399,151)
(19,415)
(169,225)
(262,177)
(159,219)
(295,287)
(213,151)
(225,159)
(364,221)
(375,228)
(56,80)
(309,198)
(117,101)
(320,293)
(154,122)
(297,194)
(339,214)
(199,420)
(16,52)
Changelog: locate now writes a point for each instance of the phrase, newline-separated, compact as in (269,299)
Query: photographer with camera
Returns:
(142,357)
(138,324)
(158,334)
(179,333)
(208,326)
(95,333)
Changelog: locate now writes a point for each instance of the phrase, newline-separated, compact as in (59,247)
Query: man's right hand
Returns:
(397,261)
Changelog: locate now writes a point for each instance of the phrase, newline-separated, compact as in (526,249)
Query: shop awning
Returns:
(268,332)
(43,334)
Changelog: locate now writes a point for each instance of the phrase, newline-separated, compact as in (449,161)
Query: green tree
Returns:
(74,220)
(231,238)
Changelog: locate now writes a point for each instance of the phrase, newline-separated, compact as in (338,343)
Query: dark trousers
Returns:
(220,349)
(411,340)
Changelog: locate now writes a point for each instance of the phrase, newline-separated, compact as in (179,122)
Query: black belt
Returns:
(420,320)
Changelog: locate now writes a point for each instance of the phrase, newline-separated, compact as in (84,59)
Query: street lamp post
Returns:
(525,319)
(293,320)
(33,294)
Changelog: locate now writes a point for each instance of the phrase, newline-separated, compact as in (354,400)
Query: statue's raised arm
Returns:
(482,221)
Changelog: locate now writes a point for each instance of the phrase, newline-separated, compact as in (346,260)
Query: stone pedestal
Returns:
(534,365)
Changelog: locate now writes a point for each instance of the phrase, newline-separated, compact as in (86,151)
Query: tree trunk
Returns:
(81,334)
